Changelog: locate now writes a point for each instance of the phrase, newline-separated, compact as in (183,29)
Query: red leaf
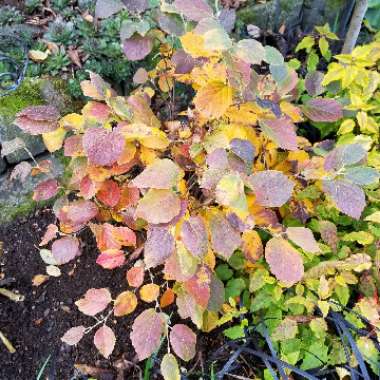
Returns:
(281,131)
(87,187)
(137,47)
(103,147)
(74,335)
(271,187)
(45,190)
(50,234)
(65,249)
(36,120)
(111,237)
(104,341)
(73,146)
(111,259)
(147,330)
(158,247)
(183,340)
(109,193)
(135,276)
(94,301)
(80,211)
(199,286)
(284,261)
(323,110)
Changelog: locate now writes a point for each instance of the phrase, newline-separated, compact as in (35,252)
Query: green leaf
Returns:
(370,353)
(237,260)
(234,332)
(312,61)
(273,56)
(316,355)
(306,44)
(343,294)
(234,287)
(319,327)
(324,48)
(287,329)
(362,175)
(224,272)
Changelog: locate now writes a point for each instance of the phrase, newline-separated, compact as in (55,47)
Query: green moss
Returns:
(10,212)
(29,93)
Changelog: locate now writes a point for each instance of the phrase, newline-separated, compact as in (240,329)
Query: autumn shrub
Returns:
(212,190)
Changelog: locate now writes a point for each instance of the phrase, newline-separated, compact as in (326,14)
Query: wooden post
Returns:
(355,25)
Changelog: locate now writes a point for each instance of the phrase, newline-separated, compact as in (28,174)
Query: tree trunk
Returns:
(355,25)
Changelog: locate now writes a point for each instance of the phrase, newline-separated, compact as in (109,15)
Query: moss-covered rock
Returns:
(33,91)
(16,196)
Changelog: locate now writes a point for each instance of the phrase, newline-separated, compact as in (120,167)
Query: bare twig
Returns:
(355,25)
(7,343)
(11,295)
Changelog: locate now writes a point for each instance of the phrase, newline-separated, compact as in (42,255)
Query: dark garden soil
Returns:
(36,325)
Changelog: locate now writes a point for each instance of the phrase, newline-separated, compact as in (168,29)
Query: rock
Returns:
(9,131)
(303,13)
(33,91)
(16,197)
(3,165)
(265,15)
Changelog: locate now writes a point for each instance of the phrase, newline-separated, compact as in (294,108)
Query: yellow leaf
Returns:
(193,44)
(149,292)
(346,127)
(246,113)
(210,321)
(335,72)
(150,137)
(213,100)
(73,121)
(375,217)
(252,246)
(292,111)
(125,303)
(54,140)
(366,123)
(38,55)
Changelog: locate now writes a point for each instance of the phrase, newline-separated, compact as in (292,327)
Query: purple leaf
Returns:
(323,110)
(65,249)
(183,341)
(158,247)
(194,235)
(137,47)
(147,330)
(313,83)
(271,187)
(224,238)
(103,147)
(348,198)
(281,131)
(194,10)
(285,262)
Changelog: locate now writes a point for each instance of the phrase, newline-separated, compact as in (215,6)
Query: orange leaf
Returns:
(167,298)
